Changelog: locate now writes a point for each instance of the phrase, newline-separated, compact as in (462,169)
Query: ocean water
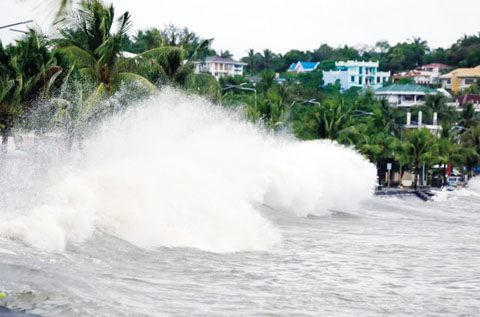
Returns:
(180,208)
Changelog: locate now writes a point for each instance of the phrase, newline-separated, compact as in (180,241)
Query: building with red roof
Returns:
(424,75)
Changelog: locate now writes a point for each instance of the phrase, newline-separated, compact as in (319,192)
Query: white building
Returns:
(356,74)
(408,95)
(219,66)
(424,75)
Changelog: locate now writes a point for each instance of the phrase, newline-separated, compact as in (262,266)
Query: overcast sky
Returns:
(281,25)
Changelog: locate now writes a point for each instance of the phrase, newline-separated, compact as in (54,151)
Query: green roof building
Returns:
(407,95)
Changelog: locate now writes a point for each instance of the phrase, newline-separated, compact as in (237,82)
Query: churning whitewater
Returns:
(177,171)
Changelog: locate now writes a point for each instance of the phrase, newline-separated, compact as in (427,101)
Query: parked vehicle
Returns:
(455,181)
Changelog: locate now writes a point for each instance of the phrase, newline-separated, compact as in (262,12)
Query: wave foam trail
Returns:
(178,171)
(473,188)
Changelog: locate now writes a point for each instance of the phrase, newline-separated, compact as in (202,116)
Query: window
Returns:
(360,80)
(469,81)
(378,80)
(360,70)
(352,79)
(384,79)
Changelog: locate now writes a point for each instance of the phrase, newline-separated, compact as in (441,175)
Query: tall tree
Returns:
(89,41)
(422,149)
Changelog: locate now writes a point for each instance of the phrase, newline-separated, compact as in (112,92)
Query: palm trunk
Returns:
(416,169)
(444,178)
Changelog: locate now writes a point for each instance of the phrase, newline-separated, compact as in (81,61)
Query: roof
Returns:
(308,65)
(411,73)
(467,98)
(356,63)
(406,88)
(439,65)
(464,72)
(305,65)
(219,59)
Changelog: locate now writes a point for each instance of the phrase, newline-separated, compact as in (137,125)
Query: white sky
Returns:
(281,25)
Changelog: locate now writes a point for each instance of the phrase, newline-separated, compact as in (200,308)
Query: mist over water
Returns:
(177,171)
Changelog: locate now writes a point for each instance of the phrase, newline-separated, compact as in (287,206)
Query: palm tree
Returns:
(226,54)
(378,146)
(203,84)
(397,58)
(385,117)
(333,120)
(37,66)
(27,72)
(470,141)
(147,40)
(10,84)
(467,117)
(267,58)
(188,41)
(268,79)
(163,65)
(437,103)
(417,41)
(421,147)
(89,42)
(250,59)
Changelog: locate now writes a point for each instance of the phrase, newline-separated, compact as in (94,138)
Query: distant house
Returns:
(303,67)
(434,68)
(424,75)
(464,99)
(460,101)
(408,95)
(459,79)
(356,74)
(219,66)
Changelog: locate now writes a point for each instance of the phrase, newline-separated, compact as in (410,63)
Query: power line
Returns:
(18,23)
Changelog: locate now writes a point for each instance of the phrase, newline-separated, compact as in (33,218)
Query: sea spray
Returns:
(177,171)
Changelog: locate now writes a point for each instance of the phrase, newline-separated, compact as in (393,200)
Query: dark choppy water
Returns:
(388,257)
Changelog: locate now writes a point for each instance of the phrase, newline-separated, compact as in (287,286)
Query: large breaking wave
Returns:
(177,171)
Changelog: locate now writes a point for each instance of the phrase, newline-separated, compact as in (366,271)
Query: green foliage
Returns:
(405,80)
(67,84)
(204,84)
(313,79)
(420,147)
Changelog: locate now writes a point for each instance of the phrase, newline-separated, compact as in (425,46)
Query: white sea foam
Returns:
(178,171)
(474,184)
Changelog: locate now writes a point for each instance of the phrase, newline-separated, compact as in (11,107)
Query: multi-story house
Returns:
(424,75)
(459,79)
(219,66)
(356,74)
